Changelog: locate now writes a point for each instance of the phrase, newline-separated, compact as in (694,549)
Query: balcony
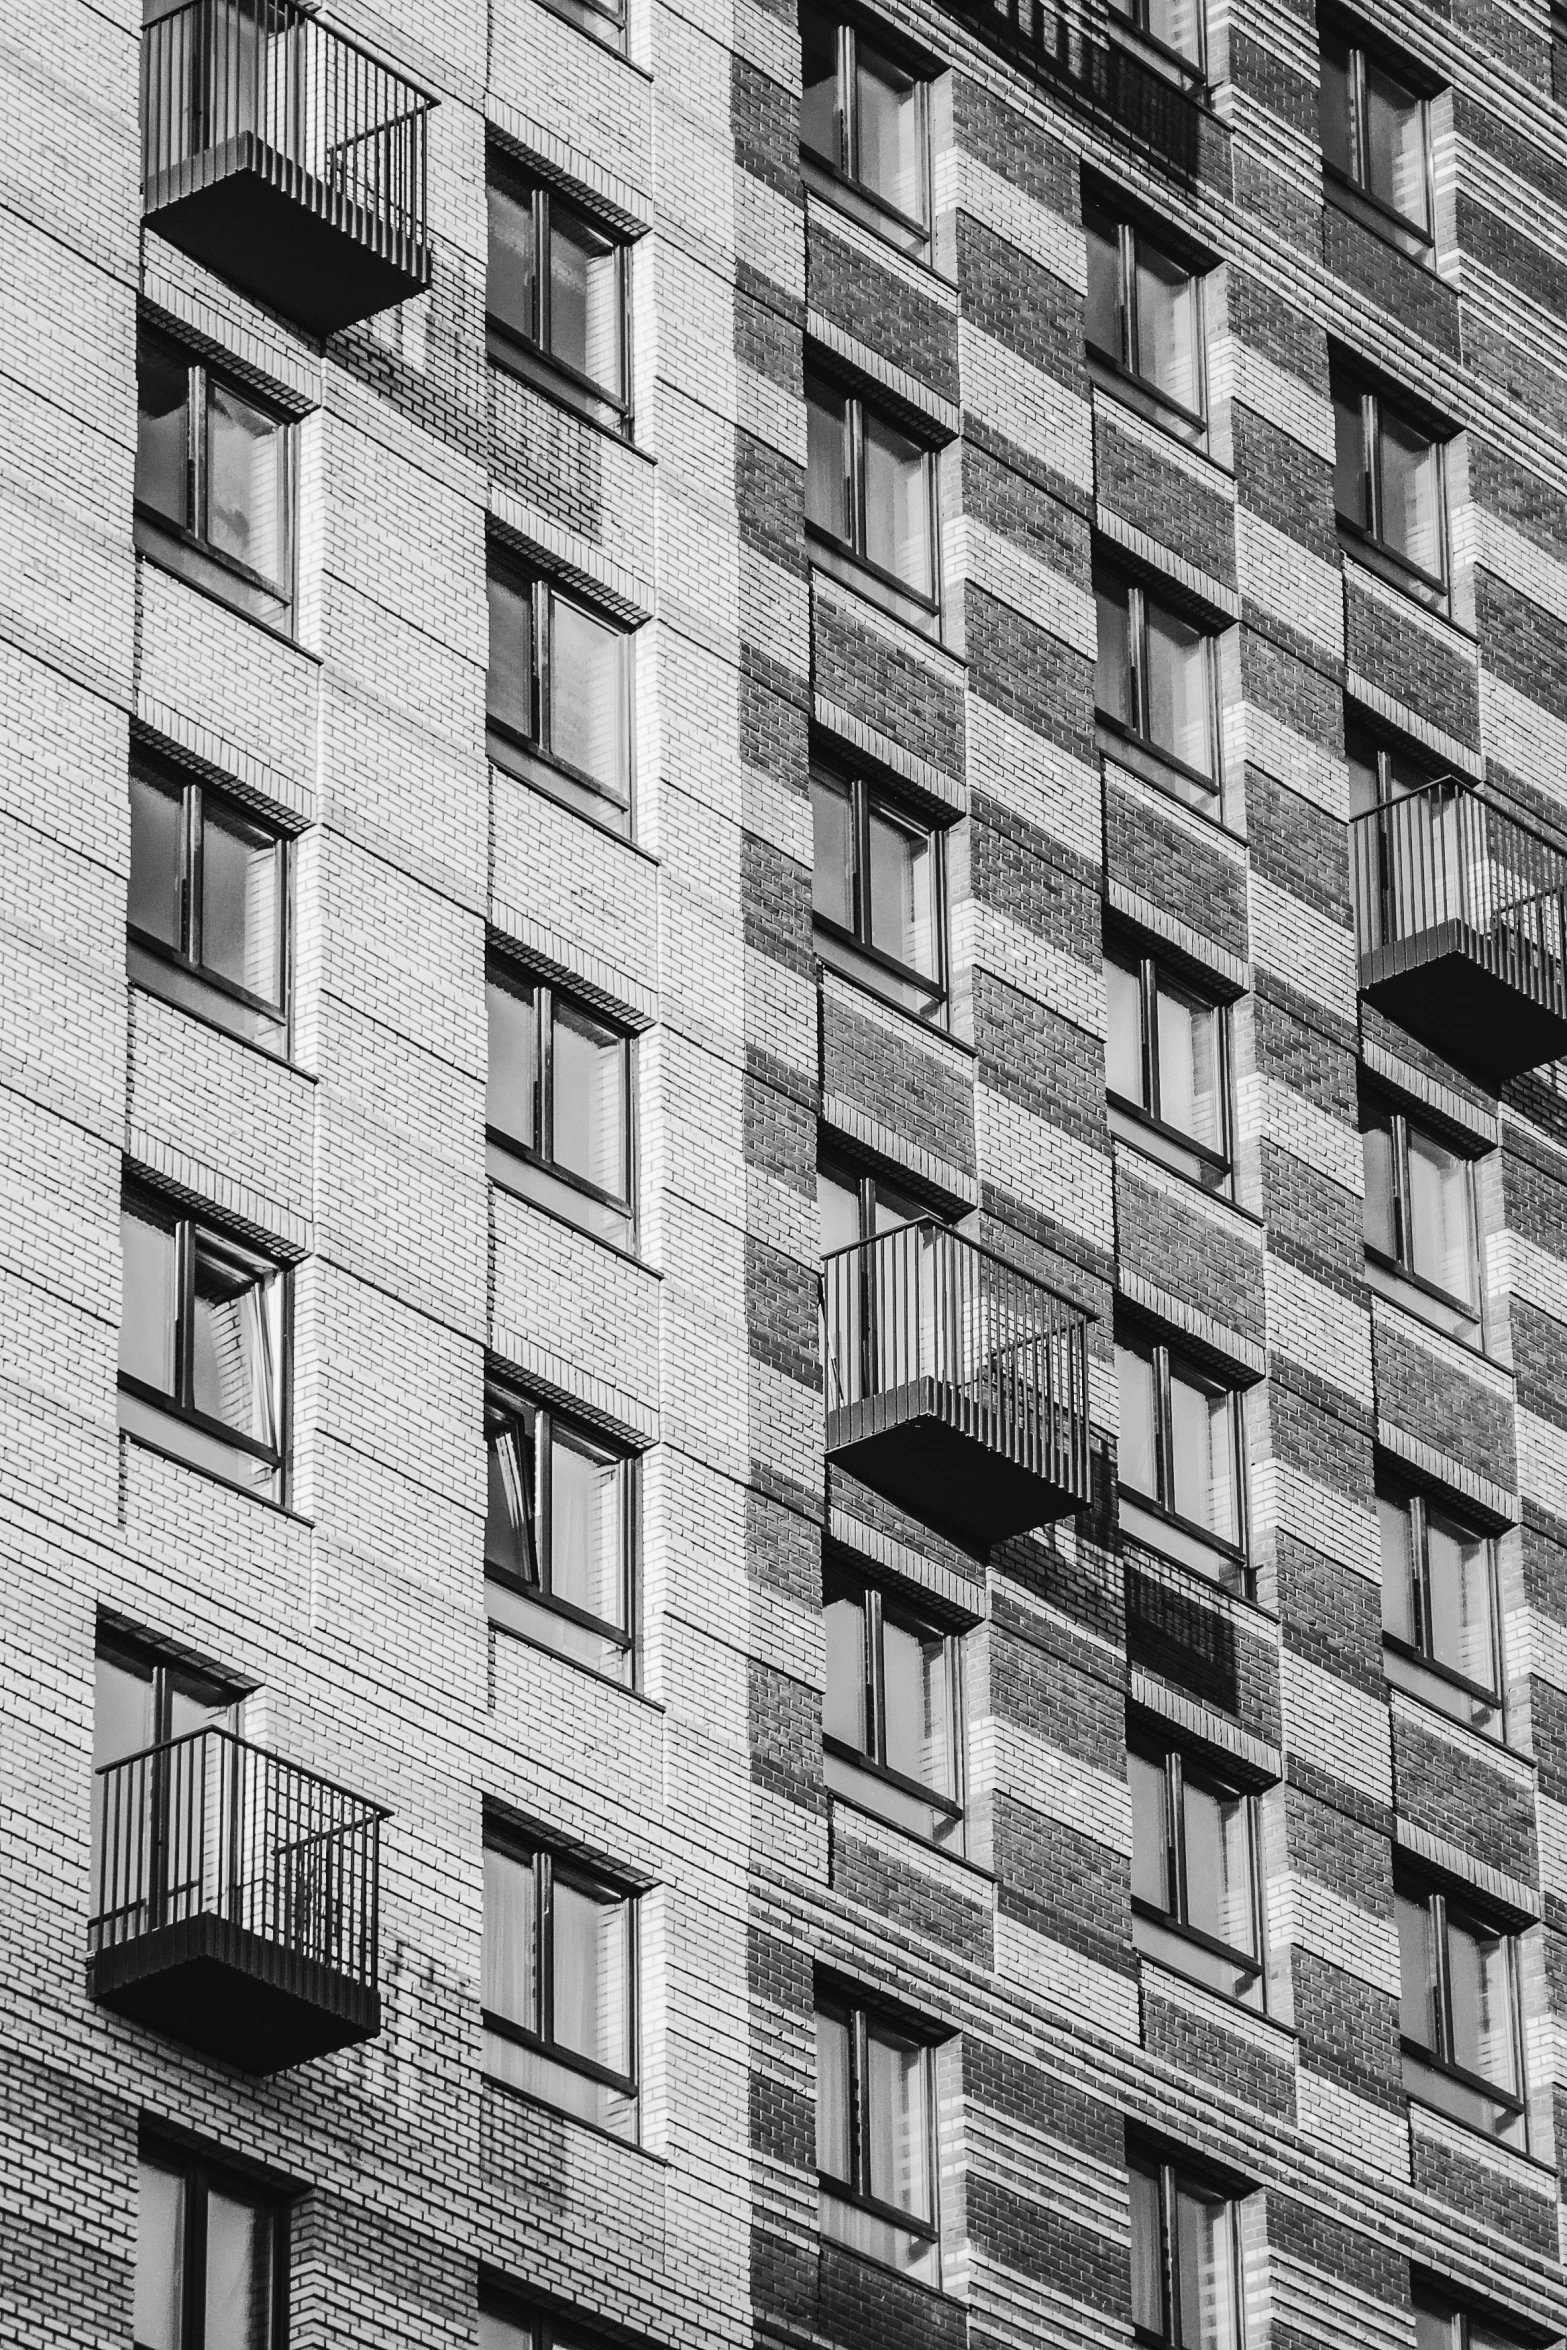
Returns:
(286,158)
(1459,925)
(236,1902)
(956,1385)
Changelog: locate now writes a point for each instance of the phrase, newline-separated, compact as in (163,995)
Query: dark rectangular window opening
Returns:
(1376,140)
(892,1712)
(1156,688)
(508,2321)
(1442,2323)
(1169,34)
(208,913)
(1166,1064)
(214,482)
(1441,1614)
(211,2256)
(559,1533)
(558,1105)
(1186,2264)
(557,296)
(559,695)
(870,500)
(876,2157)
(877,891)
(865,125)
(1197,1902)
(1145,323)
(1460,2014)
(559,1991)
(1181,1459)
(1389,487)
(1422,1224)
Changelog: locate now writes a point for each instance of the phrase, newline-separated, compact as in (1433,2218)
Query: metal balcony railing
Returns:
(956,1384)
(237,1899)
(260,121)
(1461,927)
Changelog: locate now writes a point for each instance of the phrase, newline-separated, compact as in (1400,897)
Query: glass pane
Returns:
(1460,1632)
(897,504)
(1179,716)
(1441,1246)
(1417,1972)
(1396,1533)
(157,859)
(1202,1463)
(1113,676)
(833,2125)
(819,79)
(1205,2300)
(149,1317)
(585,305)
(917,1731)
(1479,1966)
(903,892)
(1124,1032)
(1396,147)
(1167,338)
(1138,1444)
(241,900)
(163,432)
(1102,318)
(588,727)
(1411,521)
(1333,108)
(827,458)
(1376,1147)
(510,1949)
(1150,1830)
(510,291)
(843,1699)
(587,1547)
(509,1518)
(157,2323)
(891,1208)
(505,2333)
(122,1710)
(592,1972)
(245,482)
(1437,2328)
(511,1099)
(232,1369)
(838,1203)
(1178,24)
(832,821)
(1349,455)
(1365,787)
(510,689)
(1217,1826)
(1189,1090)
(896,2071)
(589,1101)
(239,2275)
(1147,2250)
(891,130)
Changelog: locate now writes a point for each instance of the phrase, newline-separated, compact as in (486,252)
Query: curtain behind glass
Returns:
(1440,1236)
(902,893)
(1202,1455)
(1147,2250)
(149,1312)
(895,2092)
(891,131)
(1395,157)
(827,458)
(1417,1972)
(157,2321)
(589,1101)
(511,291)
(819,119)
(585,304)
(832,819)
(1411,484)
(1150,1831)
(157,860)
(843,1699)
(587,696)
(232,1371)
(1168,350)
(241,873)
(592,1973)
(239,2275)
(833,2111)
(245,483)
(1479,1968)
(897,504)
(585,1530)
(510,1947)
(1461,1633)
(1189,1092)
(1138,1466)
(917,1733)
(1395,1528)
(1217,1826)
(1204,2270)
(1179,717)
(1124,1032)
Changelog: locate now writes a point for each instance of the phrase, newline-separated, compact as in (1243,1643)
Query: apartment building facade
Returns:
(784,1466)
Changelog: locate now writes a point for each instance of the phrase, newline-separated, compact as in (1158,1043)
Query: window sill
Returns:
(1198,794)
(888,2268)
(212,595)
(1491,2139)
(901,235)
(534,776)
(1160,1533)
(1418,586)
(866,1809)
(1168,1149)
(557,392)
(851,960)
(1389,227)
(576,2121)
(899,603)
(1274,2026)
(500,1631)
(1496,1742)
(1191,80)
(264,1501)
(1129,391)
(1176,1941)
(610,1247)
(925,1028)
(1432,1307)
(144,983)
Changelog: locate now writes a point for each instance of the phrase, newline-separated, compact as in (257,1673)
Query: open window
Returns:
(1460,2014)
(559,1991)
(1196,1874)
(214,482)
(876,2131)
(559,1104)
(870,498)
(877,892)
(558,1532)
(1441,1621)
(556,294)
(1182,1457)
(865,124)
(892,1711)
(1167,1063)
(208,905)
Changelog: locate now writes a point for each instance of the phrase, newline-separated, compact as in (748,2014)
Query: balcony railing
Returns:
(956,1385)
(286,158)
(1459,921)
(236,1901)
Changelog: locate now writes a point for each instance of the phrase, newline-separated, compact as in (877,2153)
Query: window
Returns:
(1155,683)
(558,1533)
(211,2258)
(1165,1065)
(864,117)
(1558,72)
(1440,2324)
(208,897)
(201,1345)
(856,1205)
(1181,1459)
(875,2134)
(865,1338)
(1185,2257)
(1458,2013)
(1422,1240)
(143,1698)
(214,482)
(1145,319)
(1388,486)
(877,892)
(556,294)
(892,1708)
(559,695)
(505,2324)
(1379,772)
(1171,29)
(1440,1622)
(1376,141)
(870,497)
(1196,1886)
(558,1105)
(559,1991)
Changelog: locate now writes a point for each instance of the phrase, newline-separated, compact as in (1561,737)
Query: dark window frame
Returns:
(1173,2172)
(195,1228)
(910,232)
(842,1578)
(1349,189)
(504,1407)
(1121,365)
(1130,26)
(1118,581)
(510,1159)
(548,1863)
(859,568)
(202,2173)
(179,975)
(1422,1666)
(1365,539)
(532,756)
(1141,1122)
(847,2005)
(1234,1556)
(1154,1744)
(1441,1901)
(186,546)
(856,956)
(1399,1277)
(526,352)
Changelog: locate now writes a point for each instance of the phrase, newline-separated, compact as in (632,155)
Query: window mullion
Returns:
(543,630)
(1444,2017)
(1175,1830)
(194,2279)
(856,460)
(185,1313)
(1168,2279)
(1149,995)
(196,452)
(544,1080)
(1126,292)
(1136,621)
(848,112)
(1357,115)
(1371,454)
(543,1496)
(859,2106)
(195,858)
(544,1956)
(875,1675)
(862,861)
(543,323)
(1163,1445)
(1421,1577)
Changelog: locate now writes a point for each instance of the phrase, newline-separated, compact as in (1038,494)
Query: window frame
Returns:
(909,232)
(192,1227)
(527,353)
(1187,424)
(1393,1275)
(1441,1902)
(1348,189)
(847,2005)
(530,756)
(177,974)
(1109,577)
(900,1796)
(529,1170)
(186,547)
(1419,1666)
(1153,1743)
(1142,1125)
(547,1862)
(505,1402)
(1365,539)
(846,559)
(1463,2321)
(1167,1532)
(1130,25)
(1172,2172)
(535,2326)
(849,950)
(201,2173)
